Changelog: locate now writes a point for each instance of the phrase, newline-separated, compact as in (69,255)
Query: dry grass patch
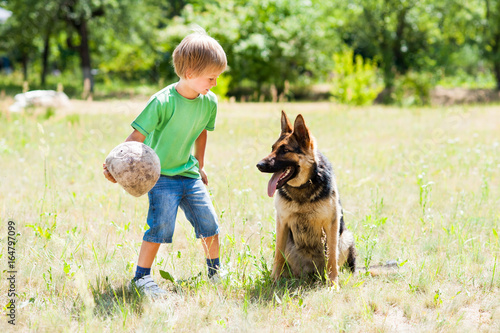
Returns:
(419,186)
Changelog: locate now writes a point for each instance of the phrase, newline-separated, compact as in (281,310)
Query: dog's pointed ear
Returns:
(301,131)
(286,125)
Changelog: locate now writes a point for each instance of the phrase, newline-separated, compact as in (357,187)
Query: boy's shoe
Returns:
(148,286)
(218,276)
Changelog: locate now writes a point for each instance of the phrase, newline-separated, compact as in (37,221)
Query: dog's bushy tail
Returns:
(351,259)
(347,251)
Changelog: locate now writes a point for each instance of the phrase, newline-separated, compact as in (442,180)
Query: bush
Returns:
(355,80)
(413,89)
(222,87)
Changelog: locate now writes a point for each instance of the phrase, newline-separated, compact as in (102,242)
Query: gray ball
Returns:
(135,166)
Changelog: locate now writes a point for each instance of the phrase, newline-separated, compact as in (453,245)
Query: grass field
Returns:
(420,186)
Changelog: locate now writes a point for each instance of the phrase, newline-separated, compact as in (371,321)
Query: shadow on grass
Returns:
(257,290)
(266,290)
(111,300)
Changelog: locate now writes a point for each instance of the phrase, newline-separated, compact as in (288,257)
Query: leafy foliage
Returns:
(267,42)
(271,45)
(354,79)
(222,87)
(413,89)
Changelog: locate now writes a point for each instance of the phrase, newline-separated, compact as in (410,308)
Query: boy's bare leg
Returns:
(147,254)
(143,279)
(211,246)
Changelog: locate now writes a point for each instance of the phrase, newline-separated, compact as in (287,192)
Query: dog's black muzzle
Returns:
(264,166)
(274,165)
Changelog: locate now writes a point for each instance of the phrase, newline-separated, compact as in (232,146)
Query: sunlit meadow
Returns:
(418,186)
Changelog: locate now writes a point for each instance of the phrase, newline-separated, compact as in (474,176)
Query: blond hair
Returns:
(199,53)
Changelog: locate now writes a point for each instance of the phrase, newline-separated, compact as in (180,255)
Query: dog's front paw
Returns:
(275,274)
(334,287)
(333,282)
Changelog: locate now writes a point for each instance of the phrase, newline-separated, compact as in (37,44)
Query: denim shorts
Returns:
(164,200)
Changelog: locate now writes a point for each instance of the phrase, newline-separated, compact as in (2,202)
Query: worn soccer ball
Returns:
(135,166)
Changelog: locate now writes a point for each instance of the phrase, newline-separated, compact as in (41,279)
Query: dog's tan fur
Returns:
(308,215)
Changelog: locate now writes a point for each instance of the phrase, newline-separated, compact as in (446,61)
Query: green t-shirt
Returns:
(171,124)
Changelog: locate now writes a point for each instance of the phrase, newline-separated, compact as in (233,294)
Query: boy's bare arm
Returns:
(134,136)
(199,152)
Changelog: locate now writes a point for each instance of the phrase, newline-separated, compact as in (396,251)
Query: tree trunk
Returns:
(495,43)
(399,57)
(24,61)
(387,67)
(496,53)
(85,54)
(45,58)
(79,20)
(496,69)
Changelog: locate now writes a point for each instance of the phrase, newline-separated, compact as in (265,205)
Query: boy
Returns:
(175,121)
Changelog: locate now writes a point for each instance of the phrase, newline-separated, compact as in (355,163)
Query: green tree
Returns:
(47,25)
(20,32)
(30,29)
(127,37)
(400,34)
(267,42)
(491,36)
(469,27)
(78,14)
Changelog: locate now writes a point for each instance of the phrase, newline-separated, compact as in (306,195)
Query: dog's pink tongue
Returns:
(271,187)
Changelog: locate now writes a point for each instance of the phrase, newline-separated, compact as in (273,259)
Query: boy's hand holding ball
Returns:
(134,166)
(107,174)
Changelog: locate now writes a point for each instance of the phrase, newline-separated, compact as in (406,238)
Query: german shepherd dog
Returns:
(311,238)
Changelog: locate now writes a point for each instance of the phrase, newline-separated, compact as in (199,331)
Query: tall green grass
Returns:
(419,186)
